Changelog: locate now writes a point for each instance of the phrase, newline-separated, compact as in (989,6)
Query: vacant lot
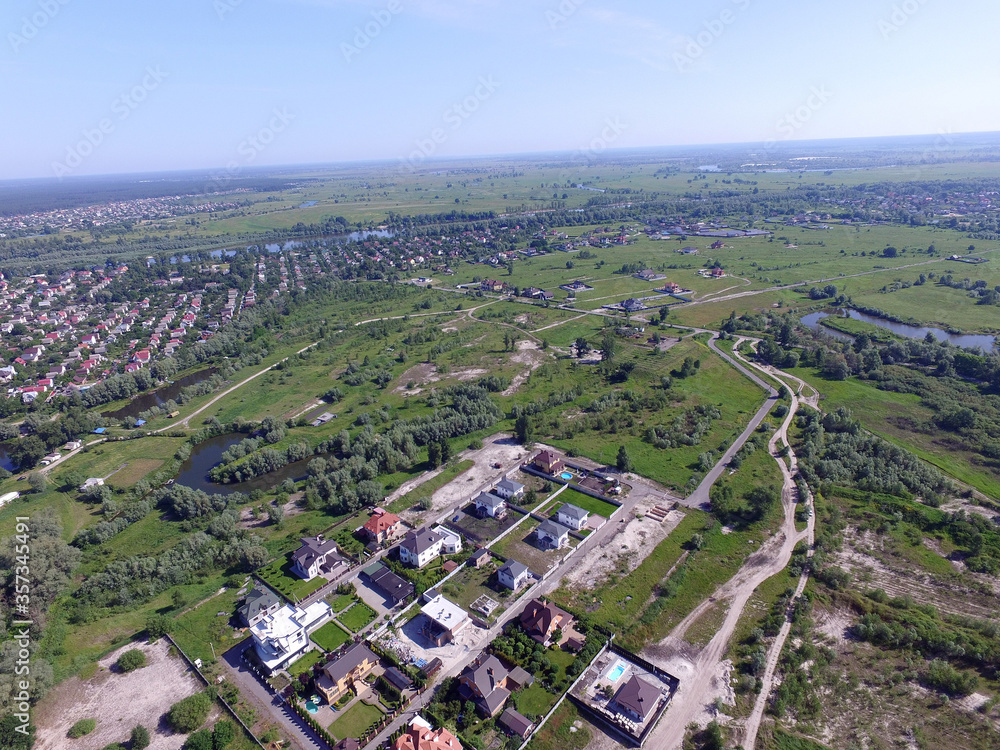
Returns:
(118,702)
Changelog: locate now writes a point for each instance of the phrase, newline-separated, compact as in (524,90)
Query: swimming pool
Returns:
(566,475)
(615,674)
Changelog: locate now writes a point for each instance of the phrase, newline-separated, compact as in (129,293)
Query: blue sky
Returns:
(106,86)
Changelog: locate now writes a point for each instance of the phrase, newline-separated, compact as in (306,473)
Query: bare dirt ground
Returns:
(531,356)
(119,702)
(501,448)
(425,374)
(627,548)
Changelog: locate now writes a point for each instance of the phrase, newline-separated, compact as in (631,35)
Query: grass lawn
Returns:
(595,506)
(357,617)
(305,663)
(520,545)
(535,701)
(469,584)
(355,721)
(279,576)
(560,732)
(330,637)
(201,629)
(340,602)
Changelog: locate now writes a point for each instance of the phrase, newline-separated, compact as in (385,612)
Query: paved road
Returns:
(268,705)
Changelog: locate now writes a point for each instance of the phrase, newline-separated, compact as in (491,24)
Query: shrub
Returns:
(200,740)
(139,739)
(82,727)
(187,715)
(944,677)
(222,735)
(131,660)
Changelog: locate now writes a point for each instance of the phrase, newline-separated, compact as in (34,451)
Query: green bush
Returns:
(82,727)
(200,740)
(222,735)
(139,739)
(187,715)
(944,677)
(131,660)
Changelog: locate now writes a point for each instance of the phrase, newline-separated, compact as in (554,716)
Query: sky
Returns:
(118,86)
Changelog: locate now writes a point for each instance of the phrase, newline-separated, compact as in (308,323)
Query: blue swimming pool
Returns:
(566,475)
(311,707)
(615,674)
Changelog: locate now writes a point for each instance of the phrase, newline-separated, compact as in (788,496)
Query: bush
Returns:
(187,715)
(200,740)
(82,727)
(139,739)
(222,735)
(944,677)
(131,660)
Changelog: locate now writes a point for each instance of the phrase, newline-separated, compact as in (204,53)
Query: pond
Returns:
(982,341)
(160,396)
(5,461)
(207,455)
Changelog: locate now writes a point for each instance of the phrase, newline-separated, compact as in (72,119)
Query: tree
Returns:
(139,739)
(37,481)
(762,499)
(81,728)
(200,740)
(131,660)
(524,429)
(222,735)
(582,347)
(434,455)
(890,252)
(188,714)
(609,346)
(623,461)
(11,736)
(445,451)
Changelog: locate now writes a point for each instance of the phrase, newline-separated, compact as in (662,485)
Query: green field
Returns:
(357,617)
(279,576)
(586,502)
(330,637)
(355,721)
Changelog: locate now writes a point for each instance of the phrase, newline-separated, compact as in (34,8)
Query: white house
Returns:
(513,574)
(420,547)
(281,637)
(451,543)
(552,534)
(488,504)
(315,557)
(572,516)
(508,489)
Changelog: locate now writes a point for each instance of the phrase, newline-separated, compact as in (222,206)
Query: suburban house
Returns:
(259,603)
(397,679)
(484,683)
(515,723)
(540,619)
(508,489)
(513,574)
(551,534)
(444,620)
(637,699)
(392,586)
(480,557)
(572,516)
(282,636)
(633,305)
(451,541)
(348,669)
(422,736)
(488,504)
(382,526)
(420,547)
(548,462)
(316,557)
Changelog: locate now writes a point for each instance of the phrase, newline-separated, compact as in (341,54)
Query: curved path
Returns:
(696,692)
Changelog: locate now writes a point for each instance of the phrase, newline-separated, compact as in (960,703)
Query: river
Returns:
(160,396)
(982,341)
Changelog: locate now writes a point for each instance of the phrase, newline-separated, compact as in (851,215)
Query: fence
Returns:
(221,700)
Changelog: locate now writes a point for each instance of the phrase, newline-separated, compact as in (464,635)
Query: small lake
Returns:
(160,396)
(206,456)
(5,461)
(982,341)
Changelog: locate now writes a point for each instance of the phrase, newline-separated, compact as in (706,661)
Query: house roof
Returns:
(638,696)
(548,527)
(258,600)
(488,676)
(489,500)
(421,540)
(572,511)
(521,676)
(514,568)
(379,523)
(515,722)
(392,585)
(538,617)
(346,662)
(311,549)
(510,485)
(420,736)
(397,678)
(444,613)
(479,554)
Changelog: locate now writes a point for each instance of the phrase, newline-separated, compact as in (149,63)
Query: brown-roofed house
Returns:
(345,671)
(515,723)
(637,699)
(421,736)
(485,683)
(540,619)
(548,462)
